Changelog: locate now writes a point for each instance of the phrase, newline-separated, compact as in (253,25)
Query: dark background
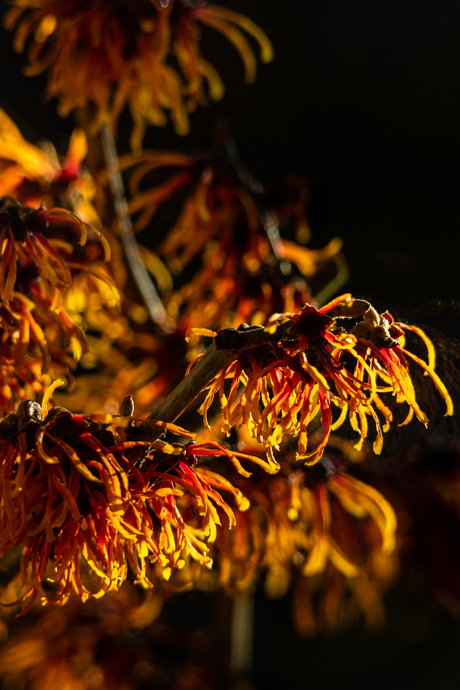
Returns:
(362,100)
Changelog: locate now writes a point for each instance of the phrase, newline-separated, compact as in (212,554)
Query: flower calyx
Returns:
(379,329)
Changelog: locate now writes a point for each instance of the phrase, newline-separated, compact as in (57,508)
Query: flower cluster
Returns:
(35,178)
(70,278)
(310,365)
(130,44)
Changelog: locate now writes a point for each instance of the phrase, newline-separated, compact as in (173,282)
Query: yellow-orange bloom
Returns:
(130,43)
(311,366)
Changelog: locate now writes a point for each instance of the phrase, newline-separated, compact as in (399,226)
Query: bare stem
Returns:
(226,348)
(138,271)
(336,283)
(185,393)
(242,638)
(252,188)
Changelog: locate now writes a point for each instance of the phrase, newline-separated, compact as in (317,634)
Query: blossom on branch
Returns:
(87,504)
(309,367)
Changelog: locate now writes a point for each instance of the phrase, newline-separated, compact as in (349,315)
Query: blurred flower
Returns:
(100,644)
(245,275)
(123,361)
(319,530)
(225,292)
(130,44)
(295,509)
(330,601)
(35,176)
(219,200)
(312,365)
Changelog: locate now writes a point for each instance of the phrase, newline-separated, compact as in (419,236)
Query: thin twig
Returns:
(340,278)
(185,393)
(140,274)
(252,188)
(225,348)
(242,639)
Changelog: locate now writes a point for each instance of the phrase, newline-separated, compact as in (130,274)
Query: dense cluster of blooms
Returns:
(75,491)
(76,288)
(88,504)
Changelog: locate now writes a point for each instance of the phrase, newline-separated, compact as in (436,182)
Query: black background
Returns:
(362,99)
